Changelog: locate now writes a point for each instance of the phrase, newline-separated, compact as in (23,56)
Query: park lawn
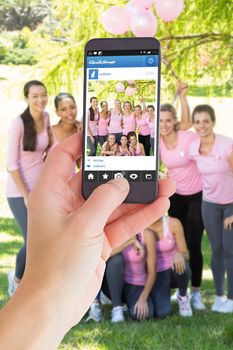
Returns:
(205,330)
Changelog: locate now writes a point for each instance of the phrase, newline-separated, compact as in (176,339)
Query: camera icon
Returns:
(119,175)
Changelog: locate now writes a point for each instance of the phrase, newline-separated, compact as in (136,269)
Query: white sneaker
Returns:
(184,306)
(95,313)
(117,314)
(196,301)
(218,301)
(12,284)
(226,307)
(175,296)
(104,299)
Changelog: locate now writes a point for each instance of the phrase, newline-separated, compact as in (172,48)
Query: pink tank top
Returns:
(138,150)
(129,123)
(103,126)
(55,143)
(93,124)
(135,265)
(165,248)
(55,140)
(151,125)
(115,122)
(126,152)
(143,125)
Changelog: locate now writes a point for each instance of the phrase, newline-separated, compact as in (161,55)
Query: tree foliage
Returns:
(17,14)
(197,47)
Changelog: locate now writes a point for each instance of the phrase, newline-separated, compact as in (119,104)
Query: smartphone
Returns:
(121,115)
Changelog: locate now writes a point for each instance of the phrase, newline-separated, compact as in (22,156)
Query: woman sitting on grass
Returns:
(173,269)
(110,147)
(123,149)
(135,148)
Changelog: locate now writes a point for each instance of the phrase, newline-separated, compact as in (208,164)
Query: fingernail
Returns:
(121,183)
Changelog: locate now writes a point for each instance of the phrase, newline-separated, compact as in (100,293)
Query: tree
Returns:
(17,14)
(197,47)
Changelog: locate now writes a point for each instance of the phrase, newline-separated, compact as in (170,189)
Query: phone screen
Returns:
(121,118)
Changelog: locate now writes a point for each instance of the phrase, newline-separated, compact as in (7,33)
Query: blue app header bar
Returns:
(122,61)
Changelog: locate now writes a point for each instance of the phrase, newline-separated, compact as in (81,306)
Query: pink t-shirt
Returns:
(151,125)
(28,163)
(143,125)
(180,167)
(129,123)
(215,169)
(135,265)
(115,126)
(103,126)
(165,248)
(93,124)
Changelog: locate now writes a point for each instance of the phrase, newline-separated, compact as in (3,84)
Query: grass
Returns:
(204,331)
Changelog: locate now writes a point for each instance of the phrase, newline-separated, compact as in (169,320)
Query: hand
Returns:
(179,263)
(69,241)
(182,89)
(139,247)
(141,309)
(228,223)
(92,139)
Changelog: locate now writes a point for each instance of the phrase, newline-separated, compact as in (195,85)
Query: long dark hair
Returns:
(92,113)
(29,137)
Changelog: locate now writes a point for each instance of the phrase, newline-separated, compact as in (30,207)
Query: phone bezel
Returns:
(140,192)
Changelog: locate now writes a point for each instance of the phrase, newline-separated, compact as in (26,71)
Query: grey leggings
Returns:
(221,241)
(113,280)
(160,293)
(19,211)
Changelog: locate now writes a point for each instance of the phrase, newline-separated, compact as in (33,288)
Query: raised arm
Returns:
(185,120)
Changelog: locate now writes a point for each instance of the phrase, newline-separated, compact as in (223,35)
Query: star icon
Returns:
(105,176)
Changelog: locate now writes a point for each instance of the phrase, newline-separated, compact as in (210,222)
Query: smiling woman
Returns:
(27,141)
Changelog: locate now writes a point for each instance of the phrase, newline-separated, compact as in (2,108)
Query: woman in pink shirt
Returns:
(123,149)
(135,148)
(92,126)
(151,123)
(116,121)
(27,142)
(66,110)
(130,275)
(129,122)
(110,147)
(172,267)
(103,122)
(144,131)
(213,154)
(186,202)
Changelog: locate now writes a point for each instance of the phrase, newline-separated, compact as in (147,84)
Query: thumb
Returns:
(103,201)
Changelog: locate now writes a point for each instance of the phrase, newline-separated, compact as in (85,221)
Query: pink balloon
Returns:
(120,87)
(169,10)
(132,9)
(143,3)
(135,6)
(129,91)
(116,20)
(143,24)
(130,82)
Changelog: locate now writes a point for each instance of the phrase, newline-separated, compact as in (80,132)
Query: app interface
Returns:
(121,115)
